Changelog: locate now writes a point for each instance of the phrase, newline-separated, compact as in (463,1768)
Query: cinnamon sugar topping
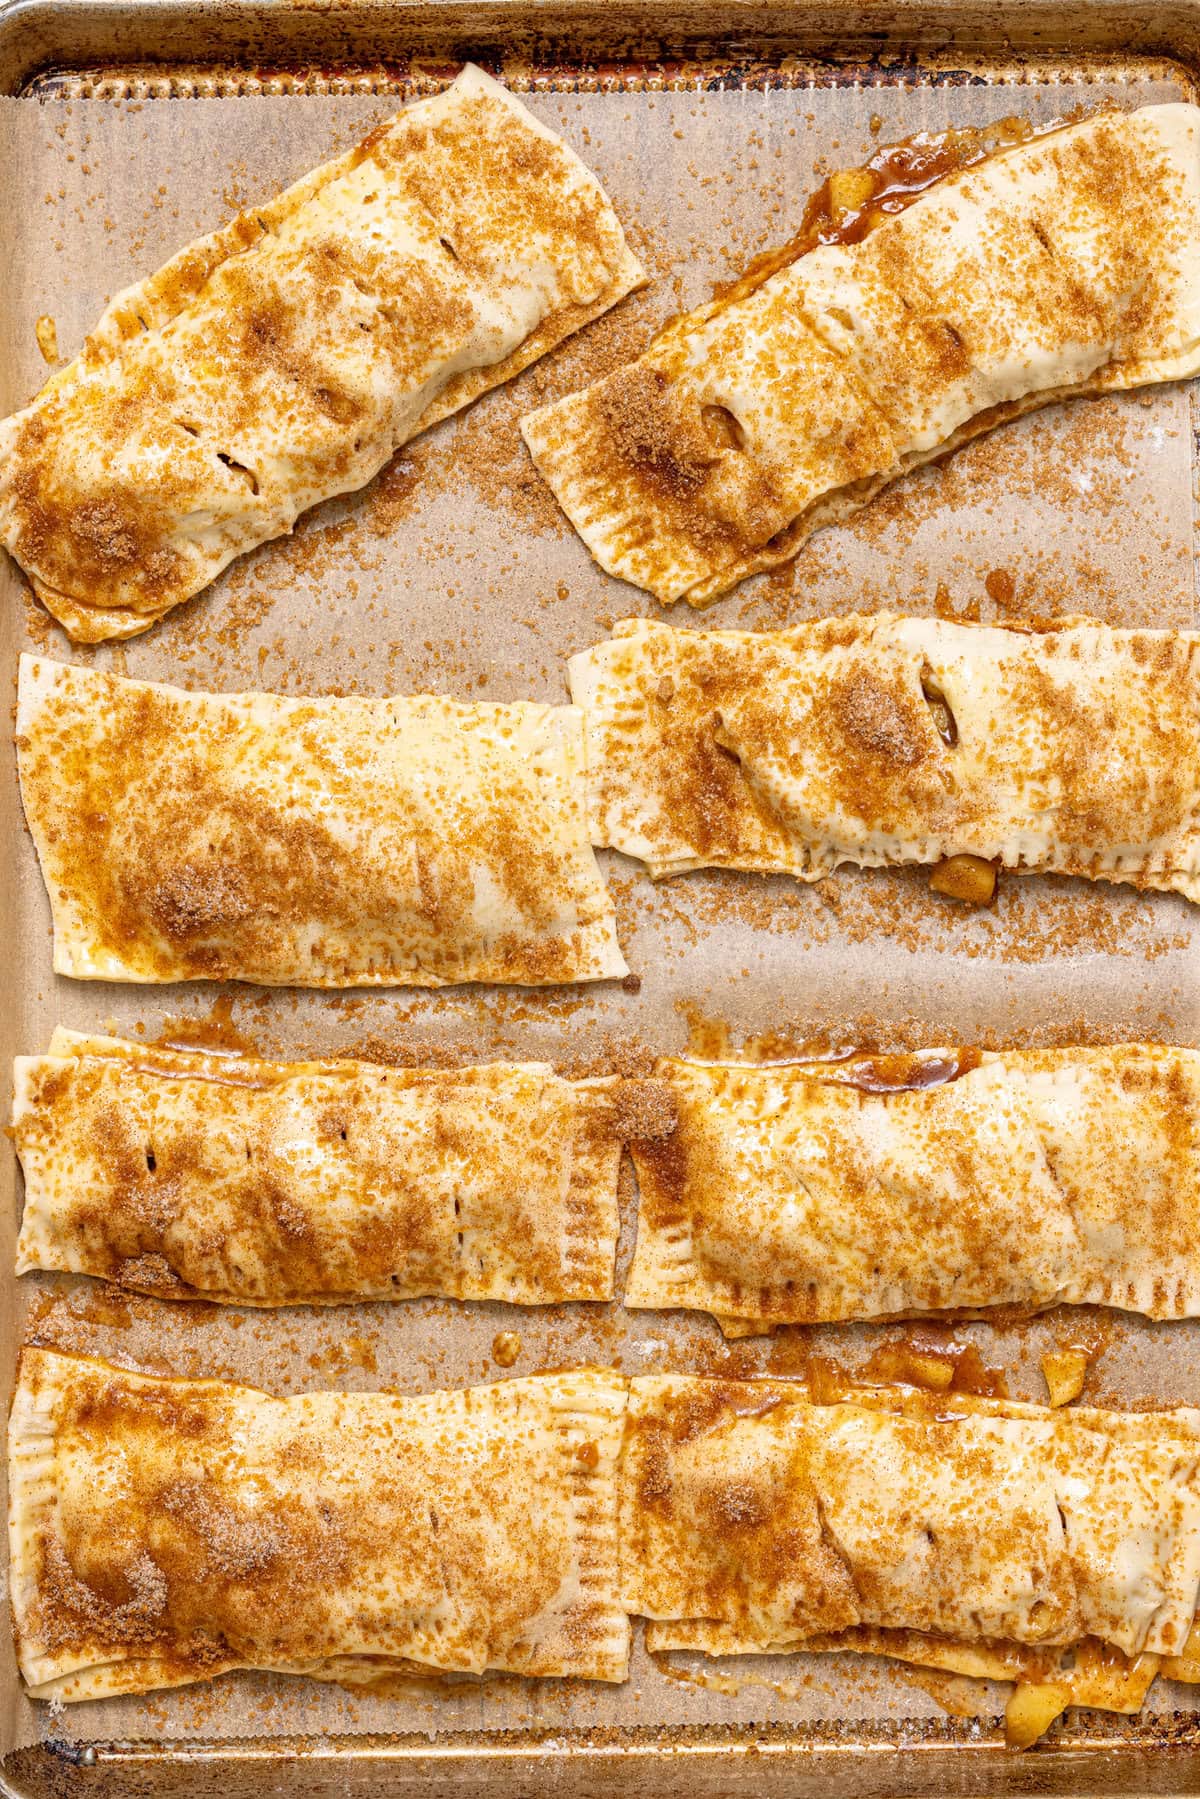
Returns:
(946,288)
(312,842)
(885,740)
(282,360)
(230,1179)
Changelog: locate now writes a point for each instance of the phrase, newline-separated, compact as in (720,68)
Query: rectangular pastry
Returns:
(877,740)
(1065,264)
(164,1531)
(901,1185)
(284,358)
(309,842)
(230,1178)
(1060,1549)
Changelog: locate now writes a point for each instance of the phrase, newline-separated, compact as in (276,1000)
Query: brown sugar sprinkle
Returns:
(319,876)
(184,1185)
(273,1530)
(648,430)
(1030,471)
(698,533)
(276,306)
(68,1606)
(147,1274)
(869,908)
(645,1110)
(711,1530)
(625,1056)
(235,1545)
(395,1052)
(872,716)
(782,752)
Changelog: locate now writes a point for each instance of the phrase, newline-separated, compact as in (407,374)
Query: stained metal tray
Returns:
(153,50)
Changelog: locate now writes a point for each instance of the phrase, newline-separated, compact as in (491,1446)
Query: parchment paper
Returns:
(455,573)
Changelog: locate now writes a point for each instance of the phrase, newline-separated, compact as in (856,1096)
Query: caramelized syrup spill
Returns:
(900,1362)
(899,173)
(900,1073)
(214,1031)
(870,1068)
(710,1679)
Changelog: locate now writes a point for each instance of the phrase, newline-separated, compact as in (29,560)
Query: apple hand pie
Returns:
(284,358)
(309,842)
(216,1177)
(991,1538)
(163,1531)
(900,1185)
(881,740)
(1065,264)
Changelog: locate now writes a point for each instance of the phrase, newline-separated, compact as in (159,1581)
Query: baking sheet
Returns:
(455,573)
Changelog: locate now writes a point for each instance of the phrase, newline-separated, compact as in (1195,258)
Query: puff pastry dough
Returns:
(985,1536)
(189,1175)
(812,1192)
(309,842)
(163,1531)
(881,740)
(284,358)
(1064,265)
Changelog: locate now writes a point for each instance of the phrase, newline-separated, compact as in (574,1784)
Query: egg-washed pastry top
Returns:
(199,1176)
(163,1531)
(882,740)
(986,1536)
(309,842)
(285,357)
(1066,264)
(947,1181)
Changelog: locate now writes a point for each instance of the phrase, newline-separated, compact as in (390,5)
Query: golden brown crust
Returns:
(747,1508)
(810,1192)
(163,1531)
